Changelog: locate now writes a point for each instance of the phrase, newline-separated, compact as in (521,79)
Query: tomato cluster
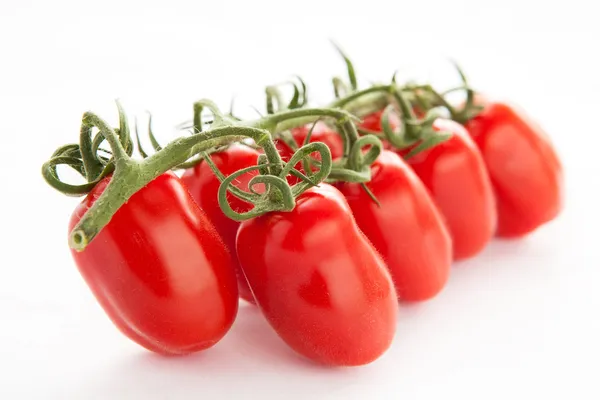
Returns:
(325,226)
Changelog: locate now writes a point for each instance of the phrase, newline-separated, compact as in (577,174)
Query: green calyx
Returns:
(416,133)
(430,98)
(130,175)
(212,131)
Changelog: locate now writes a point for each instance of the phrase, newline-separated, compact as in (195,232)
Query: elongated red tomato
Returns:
(455,174)
(160,270)
(406,227)
(523,166)
(203,185)
(318,280)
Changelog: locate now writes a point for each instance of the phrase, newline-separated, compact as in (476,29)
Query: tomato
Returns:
(456,176)
(320,133)
(525,170)
(318,280)
(203,185)
(160,270)
(406,228)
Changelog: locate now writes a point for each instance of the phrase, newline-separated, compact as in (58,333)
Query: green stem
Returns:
(287,120)
(383,90)
(130,175)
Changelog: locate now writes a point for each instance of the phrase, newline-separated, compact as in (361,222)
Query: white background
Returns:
(519,321)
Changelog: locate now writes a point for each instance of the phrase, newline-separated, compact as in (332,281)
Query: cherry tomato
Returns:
(406,227)
(523,166)
(160,270)
(319,282)
(455,174)
(203,185)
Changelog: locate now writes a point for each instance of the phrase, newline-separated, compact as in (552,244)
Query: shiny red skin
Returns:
(457,179)
(318,281)
(160,270)
(406,228)
(203,185)
(525,170)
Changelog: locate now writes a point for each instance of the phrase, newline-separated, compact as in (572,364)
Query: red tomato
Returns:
(455,174)
(203,185)
(406,228)
(160,270)
(523,166)
(318,280)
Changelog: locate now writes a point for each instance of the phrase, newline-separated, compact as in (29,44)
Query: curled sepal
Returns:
(300,98)
(51,176)
(470,109)
(338,174)
(96,143)
(274,95)
(317,177)
(219,119)
(398,138)
(339,87)
(359,159)
(278,196)
(138,141)
(155,145)
(408,119)
(275,102)
(429,140)
(306,162)
(84,157)
(70,155)
(237,192)
(349,66)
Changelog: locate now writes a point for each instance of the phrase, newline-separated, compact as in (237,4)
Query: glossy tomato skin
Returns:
(160,270)
(457,179)
(318,280)
(406,228)
(203,185)
(524,168)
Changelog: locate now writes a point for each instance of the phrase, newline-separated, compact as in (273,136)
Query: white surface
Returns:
(519,321)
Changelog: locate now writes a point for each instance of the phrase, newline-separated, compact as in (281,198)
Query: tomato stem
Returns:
(130,175)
